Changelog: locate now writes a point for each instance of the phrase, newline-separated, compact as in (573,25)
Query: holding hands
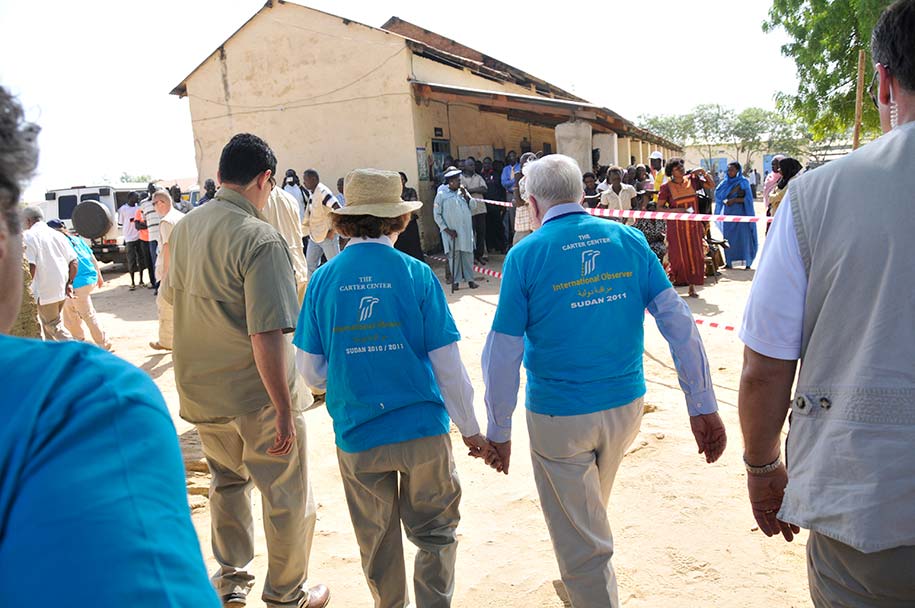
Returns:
(493,454)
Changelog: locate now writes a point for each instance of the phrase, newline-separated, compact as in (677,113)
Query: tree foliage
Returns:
(748,132)
(127,178)
(826,36)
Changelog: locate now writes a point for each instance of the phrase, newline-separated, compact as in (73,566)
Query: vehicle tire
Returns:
(92,220)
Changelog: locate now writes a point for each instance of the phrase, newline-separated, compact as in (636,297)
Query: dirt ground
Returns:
(683,530)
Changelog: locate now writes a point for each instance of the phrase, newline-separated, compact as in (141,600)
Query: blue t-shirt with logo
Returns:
(577,290)
(92,486)
(85,273)
(375,314)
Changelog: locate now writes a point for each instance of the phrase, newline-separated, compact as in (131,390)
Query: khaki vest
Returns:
(851,446)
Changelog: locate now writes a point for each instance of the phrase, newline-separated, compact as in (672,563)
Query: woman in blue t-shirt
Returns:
(375,332)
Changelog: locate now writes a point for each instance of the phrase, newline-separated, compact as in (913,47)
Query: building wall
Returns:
(322,93)
(693,156)
(465,125)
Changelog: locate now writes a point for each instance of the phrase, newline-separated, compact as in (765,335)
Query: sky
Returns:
(96,74)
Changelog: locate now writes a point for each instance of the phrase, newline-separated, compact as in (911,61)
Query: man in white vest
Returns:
(850,476)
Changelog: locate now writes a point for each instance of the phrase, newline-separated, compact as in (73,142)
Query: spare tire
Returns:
(92,220)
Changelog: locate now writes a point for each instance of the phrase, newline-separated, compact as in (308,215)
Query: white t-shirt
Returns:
(51,253)
(320,222)
(773,321)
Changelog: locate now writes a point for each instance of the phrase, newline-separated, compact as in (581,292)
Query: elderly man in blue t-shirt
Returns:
(572,303)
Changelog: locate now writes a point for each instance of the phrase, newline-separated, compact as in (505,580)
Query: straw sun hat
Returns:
(375,192)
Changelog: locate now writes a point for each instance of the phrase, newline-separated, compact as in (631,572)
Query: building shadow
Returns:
(191,448)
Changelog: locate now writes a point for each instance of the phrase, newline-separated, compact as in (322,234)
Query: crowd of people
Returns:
(93,491)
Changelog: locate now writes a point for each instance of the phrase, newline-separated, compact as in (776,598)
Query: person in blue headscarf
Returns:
(733,196)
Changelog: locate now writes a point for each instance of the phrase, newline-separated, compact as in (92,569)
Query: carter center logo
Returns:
(367,307)
(588,261)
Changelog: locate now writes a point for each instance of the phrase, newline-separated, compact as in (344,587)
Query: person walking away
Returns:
(474,183)
(231,283)
(409,241)
(584,404)
(685,248)
(733,196)
(169,219)
(322,240)
(847,474)
(127,217)
(391,396)
(282,213)
(452,213)
(93,493)
(53,266)
(79,309)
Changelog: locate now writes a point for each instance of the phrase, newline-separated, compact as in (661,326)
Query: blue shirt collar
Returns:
(560,210)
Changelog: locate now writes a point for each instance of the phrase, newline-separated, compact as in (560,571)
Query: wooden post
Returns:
(859,99)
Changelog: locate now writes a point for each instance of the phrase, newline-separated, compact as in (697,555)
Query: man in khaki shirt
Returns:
(282,213)
(232,286)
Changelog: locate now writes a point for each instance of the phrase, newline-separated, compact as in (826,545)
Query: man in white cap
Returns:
(453,214)
(375,332)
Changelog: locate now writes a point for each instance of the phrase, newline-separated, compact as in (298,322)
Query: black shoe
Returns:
(472,285)
(454,287)
(234,600)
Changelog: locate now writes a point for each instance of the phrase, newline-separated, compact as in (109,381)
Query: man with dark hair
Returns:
(92,495)
(850,465)
(231,283)
(209,192)
(127,217)
(322,240)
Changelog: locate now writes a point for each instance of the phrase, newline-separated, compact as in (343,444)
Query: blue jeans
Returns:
(328,247)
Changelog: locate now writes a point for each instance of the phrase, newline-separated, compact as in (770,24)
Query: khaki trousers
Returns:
(51,322)
(80,310)
(843,577)
(166,320)
(236,453)
(575,462)
(413,482)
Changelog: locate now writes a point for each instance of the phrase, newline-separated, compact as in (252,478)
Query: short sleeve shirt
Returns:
(230,277)
(375,314)
(126,217)
(51,253)
(151,218)
(92,494)
(577,290)
(86,274)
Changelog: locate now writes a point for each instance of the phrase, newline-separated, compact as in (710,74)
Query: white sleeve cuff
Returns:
(313,369)
(456,388)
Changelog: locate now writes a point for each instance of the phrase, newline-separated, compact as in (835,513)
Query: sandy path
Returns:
(683,529)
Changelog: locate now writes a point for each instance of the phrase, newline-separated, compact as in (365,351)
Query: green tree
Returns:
(712,125)
(826,36)
(675,127)
(126,178)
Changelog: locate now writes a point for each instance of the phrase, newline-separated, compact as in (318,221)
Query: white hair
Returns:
(32,213)
(554,179)
(163,194)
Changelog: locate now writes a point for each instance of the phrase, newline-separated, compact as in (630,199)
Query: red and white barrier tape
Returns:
(498,275)
(715,325)
(660,215)
(490,273)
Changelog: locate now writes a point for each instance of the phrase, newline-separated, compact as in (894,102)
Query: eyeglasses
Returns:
(872,89)
(272,182)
